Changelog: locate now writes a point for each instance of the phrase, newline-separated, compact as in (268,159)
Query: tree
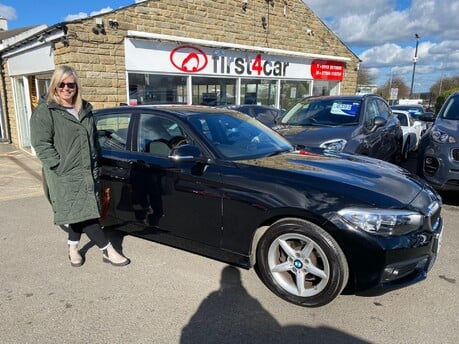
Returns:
(444,84)
(364,77)
(394,82)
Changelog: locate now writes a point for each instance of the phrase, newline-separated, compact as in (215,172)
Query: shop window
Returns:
(325,88)
(156,89)
(292,91)
(213,91)
(258,91)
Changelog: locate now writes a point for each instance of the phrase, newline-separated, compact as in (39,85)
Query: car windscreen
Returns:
(237,136)
(414,111)
(332,112)
(452,109)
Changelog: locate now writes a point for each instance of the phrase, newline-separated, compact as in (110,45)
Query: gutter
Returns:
(216,44)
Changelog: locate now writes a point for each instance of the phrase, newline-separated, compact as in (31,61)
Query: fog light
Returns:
(431,165)
(402,269)
(389,274)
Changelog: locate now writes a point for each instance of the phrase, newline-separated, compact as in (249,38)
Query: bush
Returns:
(442,98)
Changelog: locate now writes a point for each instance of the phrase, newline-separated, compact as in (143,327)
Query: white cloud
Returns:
(382,32)
(7,12)
(82,15)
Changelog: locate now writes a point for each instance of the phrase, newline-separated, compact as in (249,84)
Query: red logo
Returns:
(188,59)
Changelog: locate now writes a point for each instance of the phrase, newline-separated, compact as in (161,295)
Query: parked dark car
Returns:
(353,124)
(220,184)
(267,115)
(438,157)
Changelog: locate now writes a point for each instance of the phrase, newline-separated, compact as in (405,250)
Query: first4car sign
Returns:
(190,59)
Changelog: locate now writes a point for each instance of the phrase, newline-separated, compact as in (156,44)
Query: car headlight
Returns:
(442,137)
(381,221)
(334,145)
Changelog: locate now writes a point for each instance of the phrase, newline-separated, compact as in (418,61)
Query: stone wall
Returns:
(11,128)
(99,58)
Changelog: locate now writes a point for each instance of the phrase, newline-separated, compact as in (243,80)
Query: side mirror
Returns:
(379,122)
(185,153)
(427,117)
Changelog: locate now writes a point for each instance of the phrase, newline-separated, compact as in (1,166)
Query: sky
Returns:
(380,32)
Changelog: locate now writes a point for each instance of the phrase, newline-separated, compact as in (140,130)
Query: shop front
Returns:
(169,69)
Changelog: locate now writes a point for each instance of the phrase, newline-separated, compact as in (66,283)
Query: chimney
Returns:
(3,24)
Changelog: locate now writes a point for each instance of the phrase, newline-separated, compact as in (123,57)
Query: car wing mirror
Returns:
(427,117)
(185,153)
(379,122)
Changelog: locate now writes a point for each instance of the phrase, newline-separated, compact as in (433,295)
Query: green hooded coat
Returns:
(68,150)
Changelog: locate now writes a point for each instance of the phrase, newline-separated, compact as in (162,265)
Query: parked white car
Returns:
(412,132)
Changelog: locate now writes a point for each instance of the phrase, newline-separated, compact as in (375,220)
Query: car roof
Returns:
(396,111)
(407,106)
(178,109)
(343,97)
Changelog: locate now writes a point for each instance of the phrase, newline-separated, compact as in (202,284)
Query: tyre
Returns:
(301,263)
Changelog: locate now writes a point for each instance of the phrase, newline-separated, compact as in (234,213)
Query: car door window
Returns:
(383,109)
(371,112)
(157,135)
(113,130)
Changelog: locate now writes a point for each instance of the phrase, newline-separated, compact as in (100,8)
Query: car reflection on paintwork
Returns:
(267,115)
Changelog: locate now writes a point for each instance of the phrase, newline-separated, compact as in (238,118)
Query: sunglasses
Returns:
(71,85)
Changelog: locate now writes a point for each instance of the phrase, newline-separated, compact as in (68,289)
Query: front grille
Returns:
(455,154)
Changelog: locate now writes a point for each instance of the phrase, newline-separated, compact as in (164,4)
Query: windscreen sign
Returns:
(345,108)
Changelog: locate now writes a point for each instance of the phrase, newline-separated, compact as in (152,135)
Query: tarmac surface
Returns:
(170,296)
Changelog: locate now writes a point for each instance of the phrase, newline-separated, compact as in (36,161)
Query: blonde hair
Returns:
(60,74)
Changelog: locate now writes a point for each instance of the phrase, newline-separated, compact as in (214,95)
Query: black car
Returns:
(220,184)
(353,124)
(267,115)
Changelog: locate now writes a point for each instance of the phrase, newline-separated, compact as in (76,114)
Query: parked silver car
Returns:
(438,161)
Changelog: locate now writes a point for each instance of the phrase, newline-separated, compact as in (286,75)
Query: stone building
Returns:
(210,52)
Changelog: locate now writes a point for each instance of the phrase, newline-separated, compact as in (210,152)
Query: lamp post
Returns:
(414,63)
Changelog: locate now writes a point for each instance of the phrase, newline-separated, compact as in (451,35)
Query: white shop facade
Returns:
(171,69)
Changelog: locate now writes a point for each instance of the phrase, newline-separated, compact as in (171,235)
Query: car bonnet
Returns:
(360,177)
(313,136)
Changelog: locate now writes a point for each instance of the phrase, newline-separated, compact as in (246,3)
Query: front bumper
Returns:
(379,264)
(440,166)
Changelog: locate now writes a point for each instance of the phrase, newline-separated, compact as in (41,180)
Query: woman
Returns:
(63,134)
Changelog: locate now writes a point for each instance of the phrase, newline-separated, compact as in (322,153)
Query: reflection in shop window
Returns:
(213,91)
(258,91)
(292,91)
(157,89)
(325,88)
